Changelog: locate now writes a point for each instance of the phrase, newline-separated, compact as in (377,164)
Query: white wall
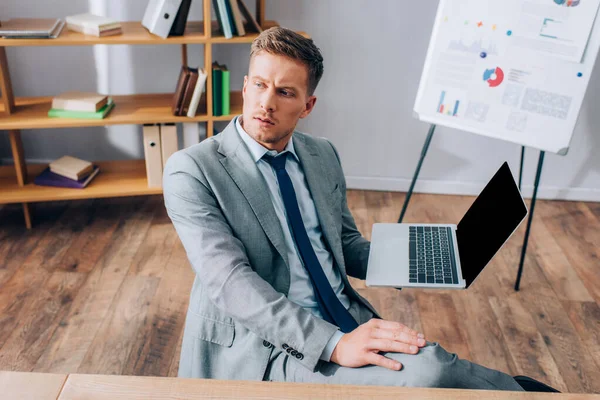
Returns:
(374,52)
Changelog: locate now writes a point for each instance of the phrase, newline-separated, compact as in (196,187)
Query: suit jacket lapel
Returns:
(320,187)
(243,170)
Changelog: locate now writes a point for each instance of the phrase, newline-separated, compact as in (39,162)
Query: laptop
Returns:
(447,256)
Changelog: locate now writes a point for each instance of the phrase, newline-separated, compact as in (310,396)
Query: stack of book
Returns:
(221,83)
(90,24)
(229,15)
(68,172)
(81,105)
(188,91)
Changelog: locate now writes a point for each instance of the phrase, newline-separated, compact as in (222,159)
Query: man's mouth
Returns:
(265,120)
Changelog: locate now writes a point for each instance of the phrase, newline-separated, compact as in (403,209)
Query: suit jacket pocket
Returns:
(214,331)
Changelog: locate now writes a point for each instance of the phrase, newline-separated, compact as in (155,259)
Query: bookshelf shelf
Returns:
(135,34)
(32,113)
(132,33)
(116,179)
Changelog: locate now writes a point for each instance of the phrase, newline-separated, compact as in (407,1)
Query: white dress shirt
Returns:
(301,289)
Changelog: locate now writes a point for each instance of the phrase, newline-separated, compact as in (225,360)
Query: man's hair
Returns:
(285,42)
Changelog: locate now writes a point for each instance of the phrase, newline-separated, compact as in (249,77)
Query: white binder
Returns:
(168,141)
(152,154)
(160,15)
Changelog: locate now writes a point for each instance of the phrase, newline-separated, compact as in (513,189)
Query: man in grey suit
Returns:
(261,211)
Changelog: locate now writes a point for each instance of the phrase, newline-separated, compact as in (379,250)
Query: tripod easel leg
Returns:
(521,167)
(535,189)
(414,180)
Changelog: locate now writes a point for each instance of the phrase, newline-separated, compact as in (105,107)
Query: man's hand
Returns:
(362,345)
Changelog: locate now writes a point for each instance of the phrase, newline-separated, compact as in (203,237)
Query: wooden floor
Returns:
(101,286)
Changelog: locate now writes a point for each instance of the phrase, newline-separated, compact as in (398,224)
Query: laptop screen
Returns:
(493,217)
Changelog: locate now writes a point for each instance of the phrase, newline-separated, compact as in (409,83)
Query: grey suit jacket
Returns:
(238,312)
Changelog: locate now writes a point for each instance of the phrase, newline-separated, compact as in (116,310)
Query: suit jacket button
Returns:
(285,346)
(299,356)
(294,352)
(266,344)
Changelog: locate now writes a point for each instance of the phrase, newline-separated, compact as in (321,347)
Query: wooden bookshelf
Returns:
(32,113)
(116,178)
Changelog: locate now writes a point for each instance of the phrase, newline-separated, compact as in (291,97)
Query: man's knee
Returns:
(432,366)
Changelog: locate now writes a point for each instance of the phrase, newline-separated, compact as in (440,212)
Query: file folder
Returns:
(160,16)
(152,155)
(168,141)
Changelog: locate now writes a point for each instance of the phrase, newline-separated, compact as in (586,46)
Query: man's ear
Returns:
(308,107)
(245,83)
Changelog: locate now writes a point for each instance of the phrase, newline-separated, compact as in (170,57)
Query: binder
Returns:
(151,133)
(178,28)
(168,141)
(160,16)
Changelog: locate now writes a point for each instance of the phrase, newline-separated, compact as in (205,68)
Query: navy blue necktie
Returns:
(332,309)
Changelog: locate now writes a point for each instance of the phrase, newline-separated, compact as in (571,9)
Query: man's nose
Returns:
(267,101)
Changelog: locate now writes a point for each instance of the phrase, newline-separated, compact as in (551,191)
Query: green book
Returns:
(217,91)
(101,113)
(225,92)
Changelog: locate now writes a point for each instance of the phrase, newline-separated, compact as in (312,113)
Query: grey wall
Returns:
(374,52)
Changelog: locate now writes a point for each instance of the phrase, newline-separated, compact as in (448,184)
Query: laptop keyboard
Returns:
(431,255)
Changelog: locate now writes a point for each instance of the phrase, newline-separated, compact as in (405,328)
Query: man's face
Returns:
(275,98)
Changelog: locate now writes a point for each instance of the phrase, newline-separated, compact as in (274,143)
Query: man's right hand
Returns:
(362,345)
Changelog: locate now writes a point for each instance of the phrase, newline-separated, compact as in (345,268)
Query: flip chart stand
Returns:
(533,199)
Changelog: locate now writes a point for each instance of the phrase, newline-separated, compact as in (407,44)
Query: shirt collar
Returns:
(257,150)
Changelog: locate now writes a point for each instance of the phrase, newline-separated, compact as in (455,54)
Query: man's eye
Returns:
(258,84)
(286,93)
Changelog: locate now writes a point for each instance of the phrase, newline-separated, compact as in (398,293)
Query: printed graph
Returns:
(473,46)
(451,108)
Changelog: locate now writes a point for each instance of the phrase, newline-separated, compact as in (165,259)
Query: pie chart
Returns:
(493,77)
(567,3)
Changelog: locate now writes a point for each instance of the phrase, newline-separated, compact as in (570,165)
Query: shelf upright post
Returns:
(184,54)
(208,67)
(16,144)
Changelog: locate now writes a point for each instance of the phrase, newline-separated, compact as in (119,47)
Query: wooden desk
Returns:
(29,385)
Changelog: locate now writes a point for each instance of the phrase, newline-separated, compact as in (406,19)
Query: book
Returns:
(91,24)
(80,101)
(230,17)
(31,27)
(71,167)
(237,17)
(224,90)
(195,102)
(184,75)
(221,13)
(49,178)
(189,90)
(95,32)
(101,113)
(217,93)
(249,17)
